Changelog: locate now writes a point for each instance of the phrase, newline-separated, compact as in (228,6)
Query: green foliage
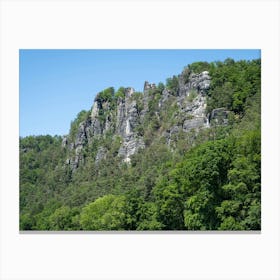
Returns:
(106,95)
(217,186)
(140,214)
(107,101)
(186,74)
(120,93)
(42,221)
(251,119)
(81,117)
(170,205)
(202,180)
(172,84)
(26,221)
(168,112)
(105,213)
(221,98)
(138,97)
(64,218)
(243,191)
(232,83)
(198,67)
(196,184)
(40,176)
(160,87)
(148,218)
(192,95)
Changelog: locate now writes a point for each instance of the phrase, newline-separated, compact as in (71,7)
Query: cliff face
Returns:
(128,118)
(125,116)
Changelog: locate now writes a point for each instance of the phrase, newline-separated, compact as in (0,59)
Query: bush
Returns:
(120,93)
(172,84)
(192,95)
(106,95)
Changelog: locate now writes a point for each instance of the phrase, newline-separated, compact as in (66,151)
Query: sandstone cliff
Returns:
(124,117)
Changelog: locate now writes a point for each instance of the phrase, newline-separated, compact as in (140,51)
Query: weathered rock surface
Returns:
(198,82)
(130,146)
(127,115)
(219,116)
(64,141)
(124,120)
(148,86)
(101,154)
(127,120)
(193,123)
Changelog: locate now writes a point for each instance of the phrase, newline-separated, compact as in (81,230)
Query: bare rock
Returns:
(219,116)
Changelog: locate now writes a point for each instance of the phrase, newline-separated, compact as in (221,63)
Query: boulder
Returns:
(219,116)
(194,123)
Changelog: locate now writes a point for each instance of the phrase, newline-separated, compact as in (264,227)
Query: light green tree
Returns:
(63,218)
(105,213)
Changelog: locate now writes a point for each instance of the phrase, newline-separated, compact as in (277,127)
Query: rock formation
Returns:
(129,112)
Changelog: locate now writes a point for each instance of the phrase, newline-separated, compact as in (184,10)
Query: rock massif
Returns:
(130,111)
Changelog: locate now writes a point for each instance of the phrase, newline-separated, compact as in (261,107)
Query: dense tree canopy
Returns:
(204,180)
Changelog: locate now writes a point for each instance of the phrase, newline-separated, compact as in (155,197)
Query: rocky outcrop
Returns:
(129,112)
(127,120)
(130,146)
(196,114)
(219,116)
(122,121)
(101,154)
(127,115)
(192,102)
(198,82)
(166,94)
(148,86)
(64,142)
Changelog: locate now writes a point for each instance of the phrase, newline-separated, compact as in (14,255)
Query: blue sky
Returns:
(55,85)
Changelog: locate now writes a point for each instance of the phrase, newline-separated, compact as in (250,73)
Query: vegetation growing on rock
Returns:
(185,155)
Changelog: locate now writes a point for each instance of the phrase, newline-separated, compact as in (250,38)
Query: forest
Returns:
(200,179)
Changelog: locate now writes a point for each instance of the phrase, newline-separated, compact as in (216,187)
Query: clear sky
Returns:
(55,85)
